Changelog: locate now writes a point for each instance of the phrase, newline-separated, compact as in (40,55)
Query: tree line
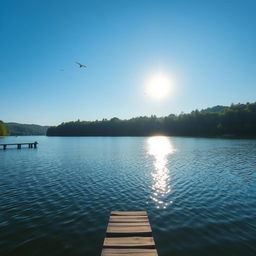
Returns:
(236,120)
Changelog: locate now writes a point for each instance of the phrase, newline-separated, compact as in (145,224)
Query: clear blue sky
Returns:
(208,47)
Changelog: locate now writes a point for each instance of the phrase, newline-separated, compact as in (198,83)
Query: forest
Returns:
(236,120)
(3,129)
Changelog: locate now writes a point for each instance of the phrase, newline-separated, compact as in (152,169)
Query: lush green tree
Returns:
(3,129)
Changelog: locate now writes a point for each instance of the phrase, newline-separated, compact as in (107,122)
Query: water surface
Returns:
(200,194)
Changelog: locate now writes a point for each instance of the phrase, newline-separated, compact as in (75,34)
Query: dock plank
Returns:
(128,252)
(118,224)
(129,241)
(128,218)
(132,229)
(138,213)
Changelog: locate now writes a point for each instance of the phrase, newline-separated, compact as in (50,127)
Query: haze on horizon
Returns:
(202,52)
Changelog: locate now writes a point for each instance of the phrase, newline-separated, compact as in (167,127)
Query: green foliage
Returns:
(217,108)
(26,129)
(3,129)
(236,120)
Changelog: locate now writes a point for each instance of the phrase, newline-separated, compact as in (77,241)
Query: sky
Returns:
(206,48)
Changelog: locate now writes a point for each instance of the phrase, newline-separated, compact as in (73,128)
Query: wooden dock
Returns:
(29,144)
(129,233)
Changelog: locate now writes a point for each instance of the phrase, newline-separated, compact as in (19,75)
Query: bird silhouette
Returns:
(80,65)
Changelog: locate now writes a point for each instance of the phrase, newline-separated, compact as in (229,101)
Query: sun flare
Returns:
(159,86)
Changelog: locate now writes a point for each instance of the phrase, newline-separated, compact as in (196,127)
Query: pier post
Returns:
(18,146)
(4,147)
(35,144)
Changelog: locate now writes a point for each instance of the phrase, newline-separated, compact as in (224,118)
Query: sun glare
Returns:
(159,86)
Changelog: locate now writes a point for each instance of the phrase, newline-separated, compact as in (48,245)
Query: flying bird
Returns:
(81,65)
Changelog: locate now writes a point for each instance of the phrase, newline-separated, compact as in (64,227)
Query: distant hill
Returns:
(26,129)
(214,109)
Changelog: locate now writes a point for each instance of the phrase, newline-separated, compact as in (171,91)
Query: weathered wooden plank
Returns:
(127,221)
(130,230)
(128,218)
(138,213)
(117,224)
(134,241)
(128,252)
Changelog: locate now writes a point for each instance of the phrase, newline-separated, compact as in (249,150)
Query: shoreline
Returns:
(167,135)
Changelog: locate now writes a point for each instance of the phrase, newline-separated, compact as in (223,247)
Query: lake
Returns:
(200,194)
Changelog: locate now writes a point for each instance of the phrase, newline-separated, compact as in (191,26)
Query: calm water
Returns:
(200,194)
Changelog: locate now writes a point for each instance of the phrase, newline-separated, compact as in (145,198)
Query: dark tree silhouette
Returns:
(236,120)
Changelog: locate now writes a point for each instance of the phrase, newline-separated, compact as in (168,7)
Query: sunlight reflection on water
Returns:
(160,147)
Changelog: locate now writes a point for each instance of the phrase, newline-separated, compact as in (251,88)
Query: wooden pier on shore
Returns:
(30,145)
(129,233)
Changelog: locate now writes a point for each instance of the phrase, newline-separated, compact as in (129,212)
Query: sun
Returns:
(159,86)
